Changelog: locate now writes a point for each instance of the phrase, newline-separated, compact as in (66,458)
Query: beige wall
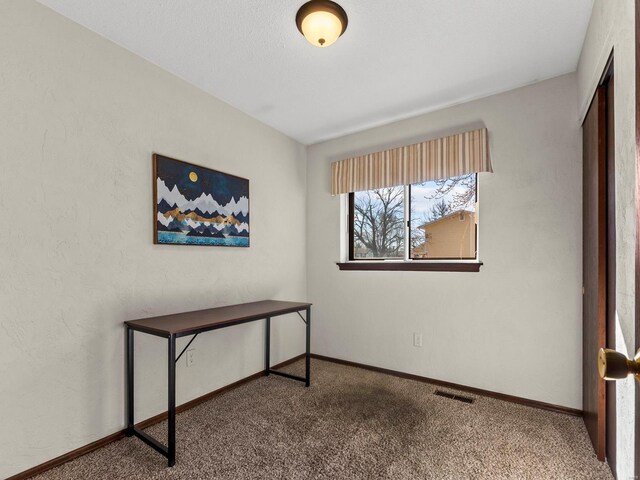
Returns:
(524,304)
(79,120)
(612,28)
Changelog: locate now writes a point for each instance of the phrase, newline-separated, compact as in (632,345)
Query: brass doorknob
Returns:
(614,365)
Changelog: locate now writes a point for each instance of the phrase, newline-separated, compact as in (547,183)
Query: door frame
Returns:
(637,245)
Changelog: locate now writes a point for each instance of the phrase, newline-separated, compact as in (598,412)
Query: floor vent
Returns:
(451,396)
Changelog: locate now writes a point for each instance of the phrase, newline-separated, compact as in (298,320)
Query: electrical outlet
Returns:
(191,357)
(417,339)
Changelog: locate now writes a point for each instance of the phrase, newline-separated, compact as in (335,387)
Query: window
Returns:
(378,226)
(434,220)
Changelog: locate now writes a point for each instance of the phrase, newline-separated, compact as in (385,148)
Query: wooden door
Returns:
(594,269)
(610,421)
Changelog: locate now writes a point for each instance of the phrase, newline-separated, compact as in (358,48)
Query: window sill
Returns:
(414,266)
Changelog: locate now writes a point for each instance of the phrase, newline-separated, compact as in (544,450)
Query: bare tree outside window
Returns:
(459,192)
(378,223)
(440,209)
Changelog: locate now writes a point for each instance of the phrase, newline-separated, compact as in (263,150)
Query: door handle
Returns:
(614,365)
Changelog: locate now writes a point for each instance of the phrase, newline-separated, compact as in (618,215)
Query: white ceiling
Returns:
(398,58)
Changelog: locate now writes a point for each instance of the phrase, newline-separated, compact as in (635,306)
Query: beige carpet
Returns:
(352,424)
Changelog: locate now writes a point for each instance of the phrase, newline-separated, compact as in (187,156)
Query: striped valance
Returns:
(444,157)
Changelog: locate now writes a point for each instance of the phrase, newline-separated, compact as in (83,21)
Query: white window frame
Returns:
(344,234)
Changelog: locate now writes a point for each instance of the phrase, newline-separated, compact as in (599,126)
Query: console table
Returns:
(195,323)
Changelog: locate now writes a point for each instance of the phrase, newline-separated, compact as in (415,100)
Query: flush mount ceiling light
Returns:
(321,22)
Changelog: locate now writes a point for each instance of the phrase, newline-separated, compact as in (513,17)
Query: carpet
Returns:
(352,424)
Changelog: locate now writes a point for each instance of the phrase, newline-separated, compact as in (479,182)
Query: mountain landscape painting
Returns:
(198,206)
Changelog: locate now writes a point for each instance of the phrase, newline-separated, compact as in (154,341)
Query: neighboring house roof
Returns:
(453,214)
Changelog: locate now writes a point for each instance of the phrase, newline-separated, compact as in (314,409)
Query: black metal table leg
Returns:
(129,341)
(267,355)
(308,355)
(171,433)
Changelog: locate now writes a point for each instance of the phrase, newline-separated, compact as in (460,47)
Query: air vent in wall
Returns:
(442,393)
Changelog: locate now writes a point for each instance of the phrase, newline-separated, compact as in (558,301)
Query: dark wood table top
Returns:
(187,323)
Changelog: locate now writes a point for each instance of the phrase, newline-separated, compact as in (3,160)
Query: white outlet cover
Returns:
(190,357)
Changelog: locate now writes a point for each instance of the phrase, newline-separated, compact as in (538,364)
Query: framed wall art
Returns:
(195,205)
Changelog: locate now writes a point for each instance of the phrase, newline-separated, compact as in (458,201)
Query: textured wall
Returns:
(515,327)
(79,119)
(612,28)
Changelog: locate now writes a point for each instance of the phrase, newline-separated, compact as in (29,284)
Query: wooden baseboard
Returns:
(477,391)
(67,457)
(79,452)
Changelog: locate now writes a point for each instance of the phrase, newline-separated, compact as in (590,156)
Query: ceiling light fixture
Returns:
(321,22)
